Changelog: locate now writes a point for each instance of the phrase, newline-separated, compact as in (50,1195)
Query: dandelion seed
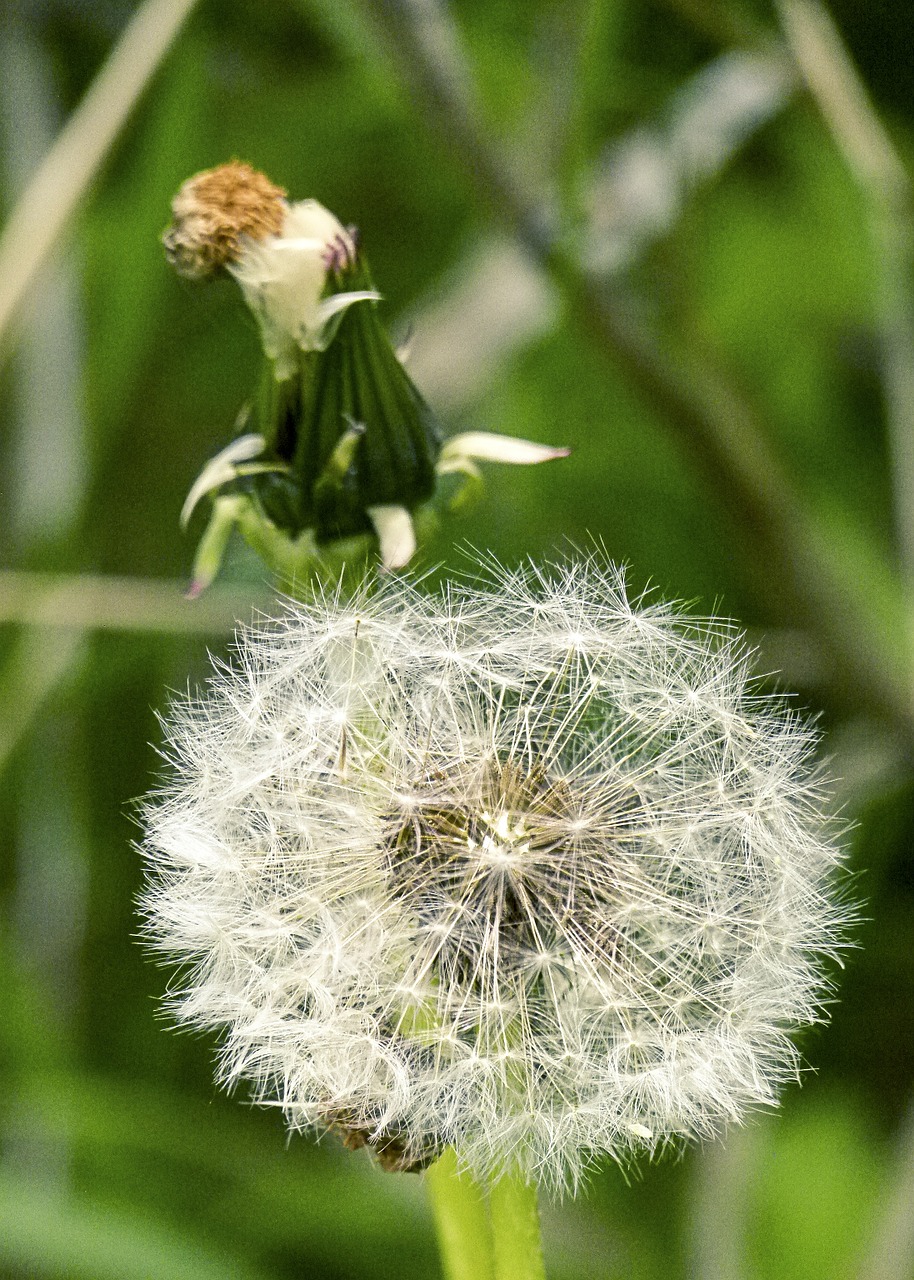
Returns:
(501,870)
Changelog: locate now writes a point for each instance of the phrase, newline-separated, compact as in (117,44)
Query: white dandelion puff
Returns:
(524,869)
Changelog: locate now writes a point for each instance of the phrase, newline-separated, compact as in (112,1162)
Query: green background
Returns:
(118,1157)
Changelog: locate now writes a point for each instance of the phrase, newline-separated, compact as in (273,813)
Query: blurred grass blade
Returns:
(109,603)
(841,95)
(38,661)
(723,1174)
(124,269)
(62,179)
(645,179)
(497,304)
(50,452)
(500,302)
(871,155)
(891,1253)
(44,1235)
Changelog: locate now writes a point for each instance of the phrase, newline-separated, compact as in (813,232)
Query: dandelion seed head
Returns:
(527,869)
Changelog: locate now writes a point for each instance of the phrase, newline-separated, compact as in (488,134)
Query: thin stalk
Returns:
(840,94)
(891,1252)
(35,666)
(89,602)
(461,1223)
(516,1239)
(794,565)
(60,182)
(722,1184)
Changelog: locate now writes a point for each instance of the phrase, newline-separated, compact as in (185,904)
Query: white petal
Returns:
(220,469)
(465,465)
(394,527)
(490,447)
(299,244)
(327,308)
(310,221)
(283,277)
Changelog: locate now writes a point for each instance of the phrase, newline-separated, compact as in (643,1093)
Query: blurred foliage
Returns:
(119,1158)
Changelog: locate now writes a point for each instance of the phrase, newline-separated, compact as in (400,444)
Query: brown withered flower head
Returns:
(211,213)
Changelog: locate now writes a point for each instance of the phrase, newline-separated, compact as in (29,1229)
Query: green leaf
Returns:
(44,1234)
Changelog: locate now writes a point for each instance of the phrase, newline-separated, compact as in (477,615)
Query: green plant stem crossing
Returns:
(514,1216)
(498,1241)
(461,1221)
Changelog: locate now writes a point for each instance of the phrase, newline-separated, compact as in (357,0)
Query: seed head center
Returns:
(499,842)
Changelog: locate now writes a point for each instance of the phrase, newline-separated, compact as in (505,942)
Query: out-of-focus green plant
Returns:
(689,129)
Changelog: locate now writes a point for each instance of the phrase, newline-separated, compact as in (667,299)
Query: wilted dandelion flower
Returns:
(525,869)
(345,457)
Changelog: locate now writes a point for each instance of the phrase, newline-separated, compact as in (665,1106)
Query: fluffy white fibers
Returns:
(523,868)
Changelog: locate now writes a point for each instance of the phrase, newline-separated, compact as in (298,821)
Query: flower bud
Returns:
(344,448)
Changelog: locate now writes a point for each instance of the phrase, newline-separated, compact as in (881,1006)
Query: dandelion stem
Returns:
(461,1223)
(515,1220)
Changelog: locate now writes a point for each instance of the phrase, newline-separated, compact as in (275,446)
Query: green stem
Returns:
(461,1223)
(516,1230)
